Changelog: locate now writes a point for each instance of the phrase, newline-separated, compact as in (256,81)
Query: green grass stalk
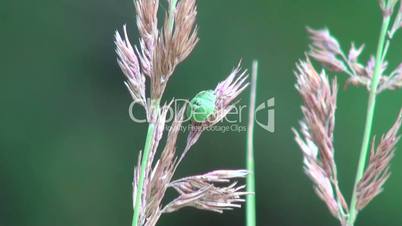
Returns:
(150,137)
(369,118)
(250,202)
(144,163)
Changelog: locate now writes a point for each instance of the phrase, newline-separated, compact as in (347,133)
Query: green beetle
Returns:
(202,106)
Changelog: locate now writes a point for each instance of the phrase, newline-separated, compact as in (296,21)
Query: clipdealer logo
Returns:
(234,121)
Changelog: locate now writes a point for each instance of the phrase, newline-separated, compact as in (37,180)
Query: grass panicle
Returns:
(316,134)
(153,62)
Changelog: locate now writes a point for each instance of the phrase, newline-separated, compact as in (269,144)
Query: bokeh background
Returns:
(68,147)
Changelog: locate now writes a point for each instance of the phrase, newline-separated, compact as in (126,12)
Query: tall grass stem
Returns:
(250,202)
(144,163)
(149,138)
(369,118)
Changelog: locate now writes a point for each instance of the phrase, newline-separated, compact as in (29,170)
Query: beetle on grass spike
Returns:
(202,106)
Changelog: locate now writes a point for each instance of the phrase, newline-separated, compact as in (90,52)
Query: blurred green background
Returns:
(68,147)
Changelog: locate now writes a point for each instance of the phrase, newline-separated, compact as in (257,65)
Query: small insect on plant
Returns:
(159,52)
(202,106)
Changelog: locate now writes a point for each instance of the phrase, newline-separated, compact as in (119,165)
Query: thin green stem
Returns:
(349,69)
(250,203)
(144,163)
(369,118)
(172,9)
(150,133)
